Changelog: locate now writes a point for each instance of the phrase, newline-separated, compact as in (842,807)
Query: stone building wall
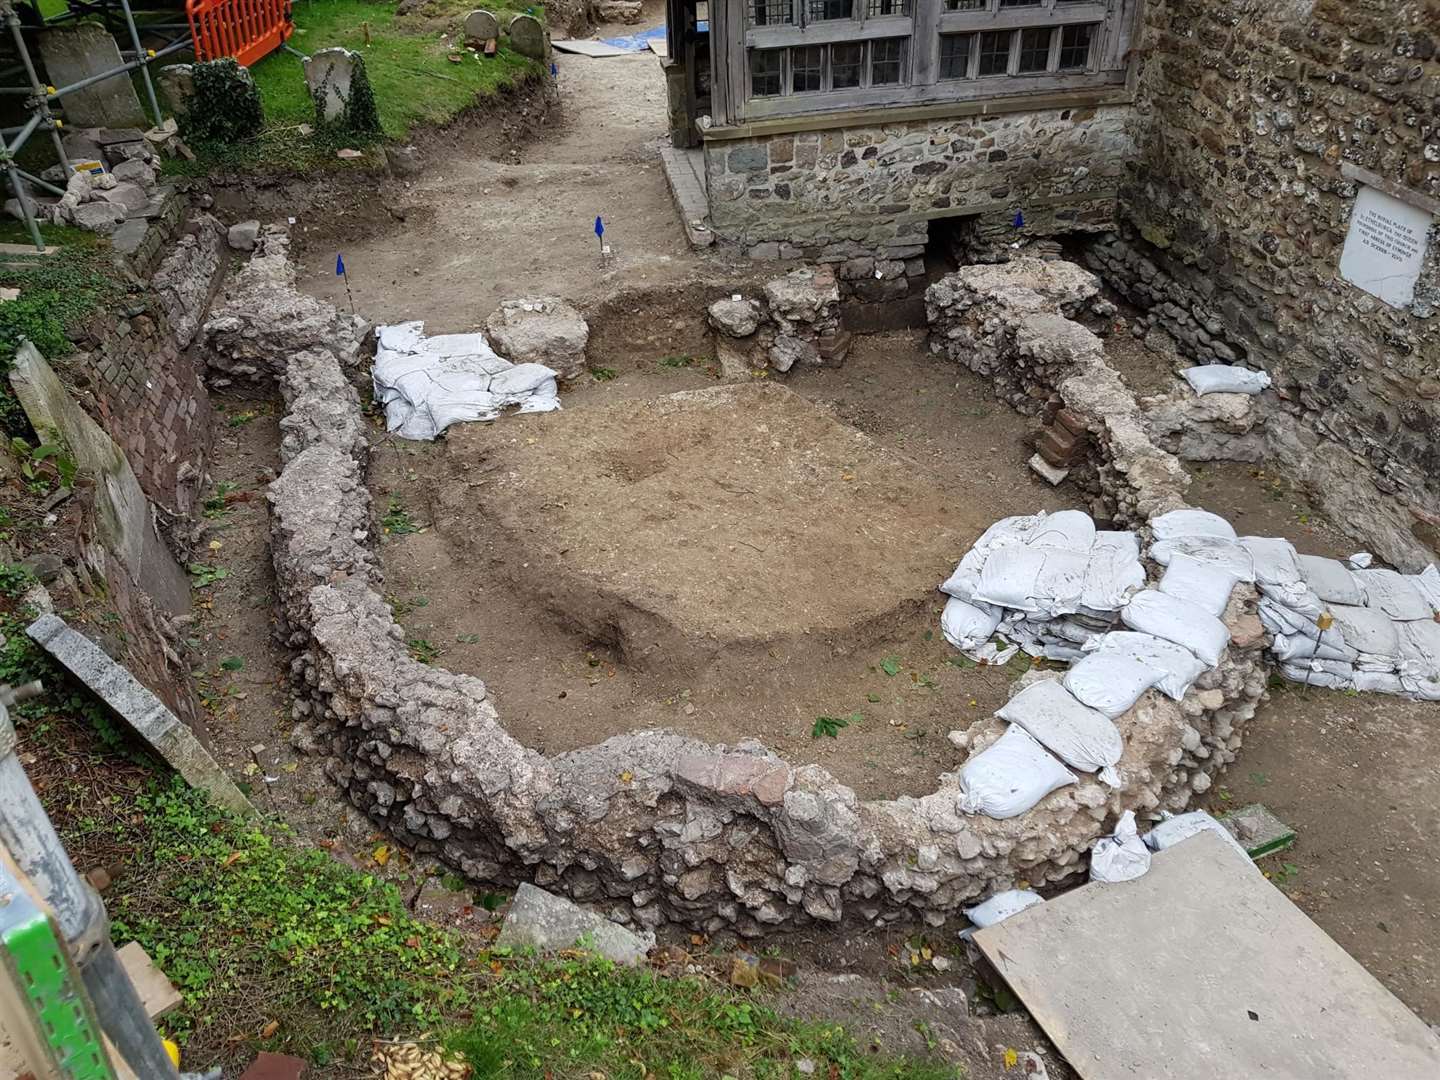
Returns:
(871,191)
(1239,201)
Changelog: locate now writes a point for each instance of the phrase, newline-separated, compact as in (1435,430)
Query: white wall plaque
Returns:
(1385,247)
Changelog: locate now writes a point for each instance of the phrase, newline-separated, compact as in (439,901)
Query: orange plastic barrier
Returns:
(245,29)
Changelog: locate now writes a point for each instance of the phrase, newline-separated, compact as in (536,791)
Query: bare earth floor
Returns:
(500,580)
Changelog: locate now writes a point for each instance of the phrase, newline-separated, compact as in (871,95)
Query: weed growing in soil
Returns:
(424,650)
(397,520)
(829,726)
(603,374)
(203,575)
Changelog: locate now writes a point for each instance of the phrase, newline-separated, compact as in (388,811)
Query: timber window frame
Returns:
(1009,47)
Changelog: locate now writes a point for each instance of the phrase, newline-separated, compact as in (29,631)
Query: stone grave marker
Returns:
(528,38)
(481,26)
(78,52)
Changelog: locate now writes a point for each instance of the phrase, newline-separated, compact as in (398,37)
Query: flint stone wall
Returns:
(869,192)
(1013,323)
(650,826)
(1241,202)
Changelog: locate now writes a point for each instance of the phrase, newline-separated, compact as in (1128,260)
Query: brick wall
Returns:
(1239,204)
(146,385)
(871,190)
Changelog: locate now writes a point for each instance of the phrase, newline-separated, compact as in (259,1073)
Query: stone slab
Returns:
(548,923)
(587,48)
(77,52)
(1259,831)
(268,1066)
(139,708)
(1202,968)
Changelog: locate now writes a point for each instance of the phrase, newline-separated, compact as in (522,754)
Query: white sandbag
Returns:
(1428,582)
(1396,595)
(1305,673)
(1009,531)
(1313,646)
(1376,682)
(1229,554)
(1361,560)
(1172,830)
(966,625)
(1180,621)
(1420,648)
(1177,665)
(1205,585)
(1110,683)
(1279,619)
(1008,578)
(1111,575)
(1001,906)
(1010,777)
(1274,560)
(1122,856)
(1367,630)
(1225,379)
(1078,735)
(1331,580)
(991,654)
(966,578)
(1189,521)
(1072,530)
(1061,581)
(1125,543)
(1421,689)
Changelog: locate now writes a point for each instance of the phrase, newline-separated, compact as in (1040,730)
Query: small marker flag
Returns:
(599,227)
(339,265)
(1019,222)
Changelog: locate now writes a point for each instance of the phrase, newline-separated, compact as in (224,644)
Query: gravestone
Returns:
(177,84)
(528,37)
(480,27)
(1385,246)
(78,52)
(341,91)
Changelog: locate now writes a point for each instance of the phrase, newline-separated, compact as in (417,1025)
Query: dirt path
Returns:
(483,223)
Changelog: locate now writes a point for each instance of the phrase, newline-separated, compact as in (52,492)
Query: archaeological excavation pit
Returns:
(727,562)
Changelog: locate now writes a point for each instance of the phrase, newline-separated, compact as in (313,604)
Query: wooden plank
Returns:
(157,993)
(1202,968)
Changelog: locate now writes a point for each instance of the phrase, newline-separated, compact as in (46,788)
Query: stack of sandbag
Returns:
(1335,625)
(1049,583)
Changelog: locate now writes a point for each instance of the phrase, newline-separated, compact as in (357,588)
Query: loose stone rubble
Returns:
(651,826)
(540,330)
(797,322)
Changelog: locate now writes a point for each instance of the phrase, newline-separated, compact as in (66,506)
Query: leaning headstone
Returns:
(480,27)
(341,91)
(177,85)
(528,37)
(78,52)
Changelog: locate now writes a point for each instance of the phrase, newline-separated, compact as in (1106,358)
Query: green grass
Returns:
(415,84)
(57,293)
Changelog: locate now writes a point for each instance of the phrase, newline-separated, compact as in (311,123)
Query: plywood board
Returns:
(587,48)
(1200,969)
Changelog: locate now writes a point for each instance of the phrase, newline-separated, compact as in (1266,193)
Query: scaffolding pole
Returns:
(39,96)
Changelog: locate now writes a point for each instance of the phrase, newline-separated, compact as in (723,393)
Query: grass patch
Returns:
(57,293)
(415,85)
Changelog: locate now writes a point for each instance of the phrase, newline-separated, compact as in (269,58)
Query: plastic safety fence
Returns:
(248,30)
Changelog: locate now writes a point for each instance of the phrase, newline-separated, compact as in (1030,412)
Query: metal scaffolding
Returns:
(39,96)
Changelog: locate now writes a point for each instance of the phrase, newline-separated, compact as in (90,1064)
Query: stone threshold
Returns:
(685,173)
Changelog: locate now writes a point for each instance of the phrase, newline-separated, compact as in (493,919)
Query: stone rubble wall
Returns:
(796,321)
(650,826)
(1241,202)
(1012,322)
(868,192)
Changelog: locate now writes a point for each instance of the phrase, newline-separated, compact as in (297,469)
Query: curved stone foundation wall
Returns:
(652,826)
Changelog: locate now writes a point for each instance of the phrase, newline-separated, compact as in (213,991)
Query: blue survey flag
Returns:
(339,265)
(599,227)
(554,72)
(1019,222)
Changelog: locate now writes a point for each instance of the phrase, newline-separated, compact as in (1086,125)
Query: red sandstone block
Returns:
(1070,421)
(1061,448)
